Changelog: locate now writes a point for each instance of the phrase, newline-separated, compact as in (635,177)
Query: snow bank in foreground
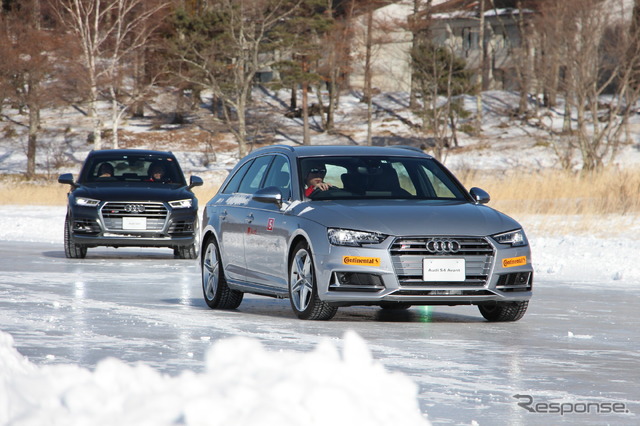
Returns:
(243,384)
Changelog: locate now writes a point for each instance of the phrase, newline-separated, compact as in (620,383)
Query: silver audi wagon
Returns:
(332,226)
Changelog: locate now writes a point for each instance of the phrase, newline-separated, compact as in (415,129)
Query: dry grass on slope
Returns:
(610,191)
(550,193)
(54,194)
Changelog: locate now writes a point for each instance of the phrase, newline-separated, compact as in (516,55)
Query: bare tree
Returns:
(375,33)
(598,61)
(236,41)
(483,63)
(439,77)
(28,68)
(367,95)
(109,32)
(338,59)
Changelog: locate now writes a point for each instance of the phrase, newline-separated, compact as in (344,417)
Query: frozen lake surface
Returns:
(575,349)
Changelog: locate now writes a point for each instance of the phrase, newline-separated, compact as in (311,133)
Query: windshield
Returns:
(329,178)
(132,168)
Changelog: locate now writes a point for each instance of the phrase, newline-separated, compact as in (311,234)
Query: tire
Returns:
(503,311)
(303,291)
(395,306)
(217,293)
(71,249)
(186,252)
(190,251)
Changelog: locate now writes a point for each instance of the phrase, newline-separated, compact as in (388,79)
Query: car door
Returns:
(267,234)
(237,217)
(229,218)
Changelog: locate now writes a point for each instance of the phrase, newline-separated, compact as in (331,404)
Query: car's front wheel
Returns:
(503,311)
(71,249)
(190,251)
(303,291)
(217,293)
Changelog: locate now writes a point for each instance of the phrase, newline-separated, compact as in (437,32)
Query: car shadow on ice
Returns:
(279,308)
(415,314)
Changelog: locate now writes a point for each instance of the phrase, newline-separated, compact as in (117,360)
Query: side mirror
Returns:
(480,196)
(195,181)
(66,178)
(270,194)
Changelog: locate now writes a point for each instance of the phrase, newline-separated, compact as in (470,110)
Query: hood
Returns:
(134,192)
(409,217)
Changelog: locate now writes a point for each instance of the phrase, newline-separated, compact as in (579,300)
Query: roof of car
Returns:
(320,150)
(117,152)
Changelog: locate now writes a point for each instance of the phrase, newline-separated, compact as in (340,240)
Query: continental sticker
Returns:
(514,261)
(357,260)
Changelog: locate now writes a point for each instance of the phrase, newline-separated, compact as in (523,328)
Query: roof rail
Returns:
(262,148)
(287,147)
(409,147)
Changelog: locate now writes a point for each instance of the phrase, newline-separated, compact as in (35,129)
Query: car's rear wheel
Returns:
(216,292)
(503,311)
(71,249)
(303,291)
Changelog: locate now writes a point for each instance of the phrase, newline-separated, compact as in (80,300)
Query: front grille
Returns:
(114,212)
(407,255)
(469,246)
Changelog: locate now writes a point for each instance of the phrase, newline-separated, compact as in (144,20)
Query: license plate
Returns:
(134,223)
(443,270)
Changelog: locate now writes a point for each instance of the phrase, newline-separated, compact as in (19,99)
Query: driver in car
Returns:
(314,179)
(157,173)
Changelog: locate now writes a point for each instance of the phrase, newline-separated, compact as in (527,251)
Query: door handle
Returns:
(249,218)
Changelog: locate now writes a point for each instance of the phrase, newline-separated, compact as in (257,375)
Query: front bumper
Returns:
(361,276)
(161,227)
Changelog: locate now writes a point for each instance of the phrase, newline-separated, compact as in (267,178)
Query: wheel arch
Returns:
(294,243)
(207,234)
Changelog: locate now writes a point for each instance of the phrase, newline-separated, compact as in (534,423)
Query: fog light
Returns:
(356,281)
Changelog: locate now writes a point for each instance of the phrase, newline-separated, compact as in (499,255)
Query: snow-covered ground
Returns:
(244,383)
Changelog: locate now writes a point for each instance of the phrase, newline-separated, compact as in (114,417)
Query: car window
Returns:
(403,177)
(440,188)
(234,183)
(252,179)
(279,175)
(334,173)
(379,177)
(132,168)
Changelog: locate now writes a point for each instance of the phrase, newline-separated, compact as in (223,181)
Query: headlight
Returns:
(347,237)
(181,204)
(86,202)
(514,238)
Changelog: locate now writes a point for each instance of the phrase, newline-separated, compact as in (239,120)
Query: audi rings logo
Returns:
(442,246)
(134,208)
